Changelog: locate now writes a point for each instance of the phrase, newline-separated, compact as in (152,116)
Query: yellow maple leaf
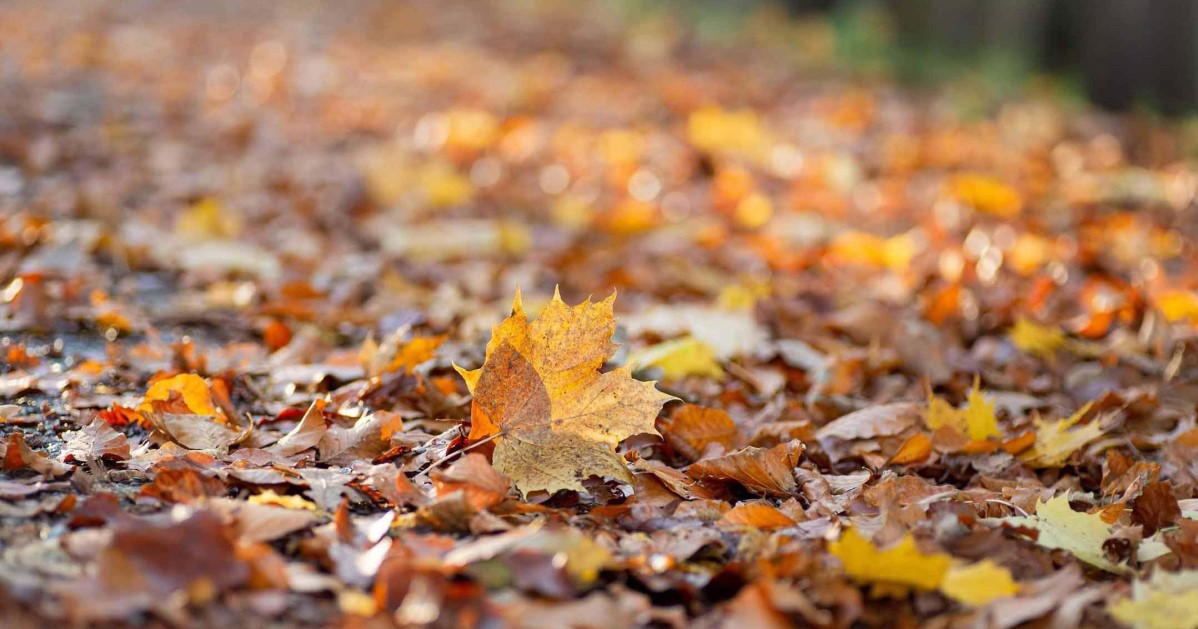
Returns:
(902,564)
(414,352)
(192,388)
(556,420)
(1035,338)
(1059,526)
(1056,440)
(976,419)
(1165,601)
(678,358)
(978,583)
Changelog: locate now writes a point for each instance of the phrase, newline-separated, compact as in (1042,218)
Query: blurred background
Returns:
(1123,53)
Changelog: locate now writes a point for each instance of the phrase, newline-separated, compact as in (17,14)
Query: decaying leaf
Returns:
(18,456)
(691,429)
(557,418)
(96,440)
(768,472)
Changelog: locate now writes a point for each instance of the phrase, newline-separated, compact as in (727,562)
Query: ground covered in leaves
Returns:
(282,345)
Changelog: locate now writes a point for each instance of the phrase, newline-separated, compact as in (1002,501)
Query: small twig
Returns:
(455,453)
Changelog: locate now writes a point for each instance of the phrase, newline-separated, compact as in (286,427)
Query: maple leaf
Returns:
(1165,601)
(901,564)
(1055,441)
(978,583)
(556,420)
(1082,534)
(904,565)
(975,420)
(1037,339)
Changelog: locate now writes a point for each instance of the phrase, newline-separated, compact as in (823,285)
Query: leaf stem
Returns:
(455,453)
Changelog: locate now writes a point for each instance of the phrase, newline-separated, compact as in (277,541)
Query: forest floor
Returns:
(474,314)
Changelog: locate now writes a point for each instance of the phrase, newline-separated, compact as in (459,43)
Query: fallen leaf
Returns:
(18,456)
(1156,508)
(94,441)
(1037,339)
(307,433)
(196,395)
(768,472)
(679,358)
(975,420)
(901,564)
(1164,601)
(978,583)
(1055,441)
(756,515)
(369,437)
(691,429)
(557,418)
(1059,526)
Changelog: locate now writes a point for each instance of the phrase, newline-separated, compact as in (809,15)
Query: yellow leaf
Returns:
(902,564)
(414,352)
(976,419)
(269,497)
(715,130)
(1178,305)
(443,185)
(356,603)
(1055,441)
(190,387)
(1165,601)
(980,421)
(678,358)
(986,194)
(979,583)
(1061,527)
(471,129)
(1036,339)
(208,219)
(557,418)
(753,211)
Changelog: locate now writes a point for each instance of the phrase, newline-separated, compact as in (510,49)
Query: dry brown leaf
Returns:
(756,515)
(884,420)
(691,429)
(557,418)
(96,440)
(769,472)
(19,456)
(307,433)
(369,437)
(196,432)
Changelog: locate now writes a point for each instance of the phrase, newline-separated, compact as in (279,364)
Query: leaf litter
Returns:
(297,330)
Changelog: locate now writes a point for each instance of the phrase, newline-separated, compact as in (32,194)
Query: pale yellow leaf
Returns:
(1165,601)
